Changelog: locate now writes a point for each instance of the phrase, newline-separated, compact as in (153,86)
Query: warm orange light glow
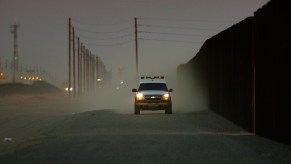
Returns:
(139,96)
(166,96)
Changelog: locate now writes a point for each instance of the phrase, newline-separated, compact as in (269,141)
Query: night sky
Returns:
(171,32)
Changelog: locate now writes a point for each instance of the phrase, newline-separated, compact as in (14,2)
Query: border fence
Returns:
(245,70)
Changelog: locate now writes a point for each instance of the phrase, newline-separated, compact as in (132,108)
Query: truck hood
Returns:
(153,92)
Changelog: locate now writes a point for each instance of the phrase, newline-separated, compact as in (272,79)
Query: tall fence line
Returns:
(245,71)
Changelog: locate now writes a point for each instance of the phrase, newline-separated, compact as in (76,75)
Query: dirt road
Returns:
(65,132)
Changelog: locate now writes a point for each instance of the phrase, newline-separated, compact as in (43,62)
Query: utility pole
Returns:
(74,63)
(98,72)
(69,62)
(84,69)
(136,47)
(1,69)
(93,73)
(253,58)
(81,69)
(15,57)
(6,67)
(79,56)
(87,70)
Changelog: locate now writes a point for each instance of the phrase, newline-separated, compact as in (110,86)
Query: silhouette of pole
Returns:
(93,72)
(74,64)
(253,77)
(69,62)
(81,69)
(84,69)
(15,51)
(79,66)
(136,47)
(87,70)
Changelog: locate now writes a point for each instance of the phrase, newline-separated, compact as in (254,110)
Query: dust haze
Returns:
(191,92)
(189,95)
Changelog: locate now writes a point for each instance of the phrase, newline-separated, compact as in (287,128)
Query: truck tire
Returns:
(136,110)
(168,109)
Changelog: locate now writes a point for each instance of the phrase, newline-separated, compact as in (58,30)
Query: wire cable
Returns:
(104,32)
(108,45)
(106,38)
(187,20)
(102,24)
(176,34)
(177,27)
(165,40)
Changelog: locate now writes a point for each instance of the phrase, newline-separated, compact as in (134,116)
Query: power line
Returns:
(104,32)
(106,38)
(108,45)
(176,34)
(177,27)
(102,24)
(165,40)
(187,20)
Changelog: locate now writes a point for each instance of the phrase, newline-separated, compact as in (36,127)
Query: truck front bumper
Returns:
(153,105)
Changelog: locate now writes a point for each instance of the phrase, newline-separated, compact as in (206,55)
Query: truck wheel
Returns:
(168,109)
(136,110)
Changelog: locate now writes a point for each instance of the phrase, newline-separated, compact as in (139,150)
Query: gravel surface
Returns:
(50,131)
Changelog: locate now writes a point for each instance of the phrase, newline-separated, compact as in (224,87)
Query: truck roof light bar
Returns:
(149,77)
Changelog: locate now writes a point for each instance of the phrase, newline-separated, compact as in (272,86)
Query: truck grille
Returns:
(153,97)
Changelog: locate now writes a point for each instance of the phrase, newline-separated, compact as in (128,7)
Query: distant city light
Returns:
(31,78)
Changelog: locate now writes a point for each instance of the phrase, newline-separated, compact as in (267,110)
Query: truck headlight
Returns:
(139,96)
(166,96)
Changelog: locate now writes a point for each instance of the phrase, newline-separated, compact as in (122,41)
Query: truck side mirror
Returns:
(134,90)
(171,90)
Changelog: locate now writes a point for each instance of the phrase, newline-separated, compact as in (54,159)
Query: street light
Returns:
(121,75)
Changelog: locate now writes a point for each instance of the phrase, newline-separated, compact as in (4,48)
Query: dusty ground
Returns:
(52,129)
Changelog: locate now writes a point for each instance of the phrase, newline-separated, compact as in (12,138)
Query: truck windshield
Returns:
(153,86)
